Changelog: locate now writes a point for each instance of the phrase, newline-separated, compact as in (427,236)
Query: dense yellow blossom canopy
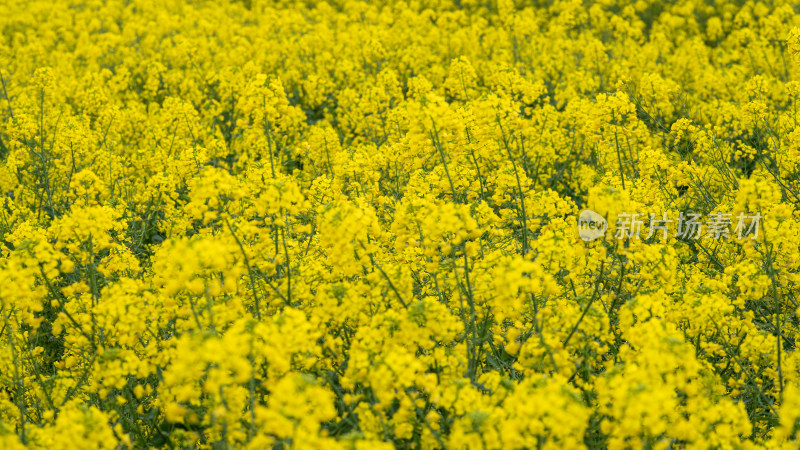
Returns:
(387,224)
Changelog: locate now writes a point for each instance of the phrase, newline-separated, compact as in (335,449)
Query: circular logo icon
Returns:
(591,225)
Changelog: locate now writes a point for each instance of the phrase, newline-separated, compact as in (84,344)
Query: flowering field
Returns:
(366,225)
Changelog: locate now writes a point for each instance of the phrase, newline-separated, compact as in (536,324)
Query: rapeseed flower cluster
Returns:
(354,225)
